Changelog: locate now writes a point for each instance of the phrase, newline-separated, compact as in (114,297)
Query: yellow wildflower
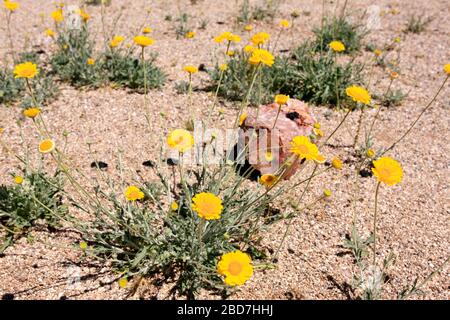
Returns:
(31,112)
(133,193)
(305,149)
(25,70)
(358,94)
(236,267)
(337,46)
(180,140)
(207,205)
(387,170)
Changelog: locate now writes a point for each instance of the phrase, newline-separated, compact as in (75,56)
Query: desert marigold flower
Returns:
(146,30)
(327,193)
(281,99)
(190,69)
(230,53)
(236,267)
(133,193)
(50,33)
(242,119)
(46,146)
(447,68)
(123,282)
(83,245)
(227,36)
(316,125)
(397,39)
(249,48)
(57,16)
(337,46)
(11,6)
(336,163)
(190,34)
(370,153)
(248,27)
(116,41)
(143,41)
(284,23)
(31,112)
(387,170)
(25,70)
(174,206)
(358,94)
(180,140)
(84,15)
(268,180)
(223,67)
(305,149)
(18,179)
(261,56)
(207,205)
(260,38)
(377,52)
(90,61)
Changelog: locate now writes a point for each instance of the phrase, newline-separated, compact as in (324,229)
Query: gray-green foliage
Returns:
(146,238)
(339,29)
(306,75)
(38,197)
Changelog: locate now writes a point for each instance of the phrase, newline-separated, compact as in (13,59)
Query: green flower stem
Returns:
(375,225)
(147,110)
(337,128)
(290,220)
(417,119)
(244,103)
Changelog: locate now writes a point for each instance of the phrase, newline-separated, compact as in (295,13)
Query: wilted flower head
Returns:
(146,30)
(223,67)
(26,70)
(248,27)
(268,180)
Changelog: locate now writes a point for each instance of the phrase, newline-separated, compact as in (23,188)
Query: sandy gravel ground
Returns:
(414,215)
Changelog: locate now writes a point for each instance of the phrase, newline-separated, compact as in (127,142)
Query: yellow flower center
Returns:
(235,268)
(303,149)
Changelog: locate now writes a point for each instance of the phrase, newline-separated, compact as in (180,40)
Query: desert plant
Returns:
(74,61)
(340,29)
(305,75)
(35,196)
(128,71)
(417,24)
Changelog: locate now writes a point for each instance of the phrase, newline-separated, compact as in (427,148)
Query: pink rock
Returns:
(295,119)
